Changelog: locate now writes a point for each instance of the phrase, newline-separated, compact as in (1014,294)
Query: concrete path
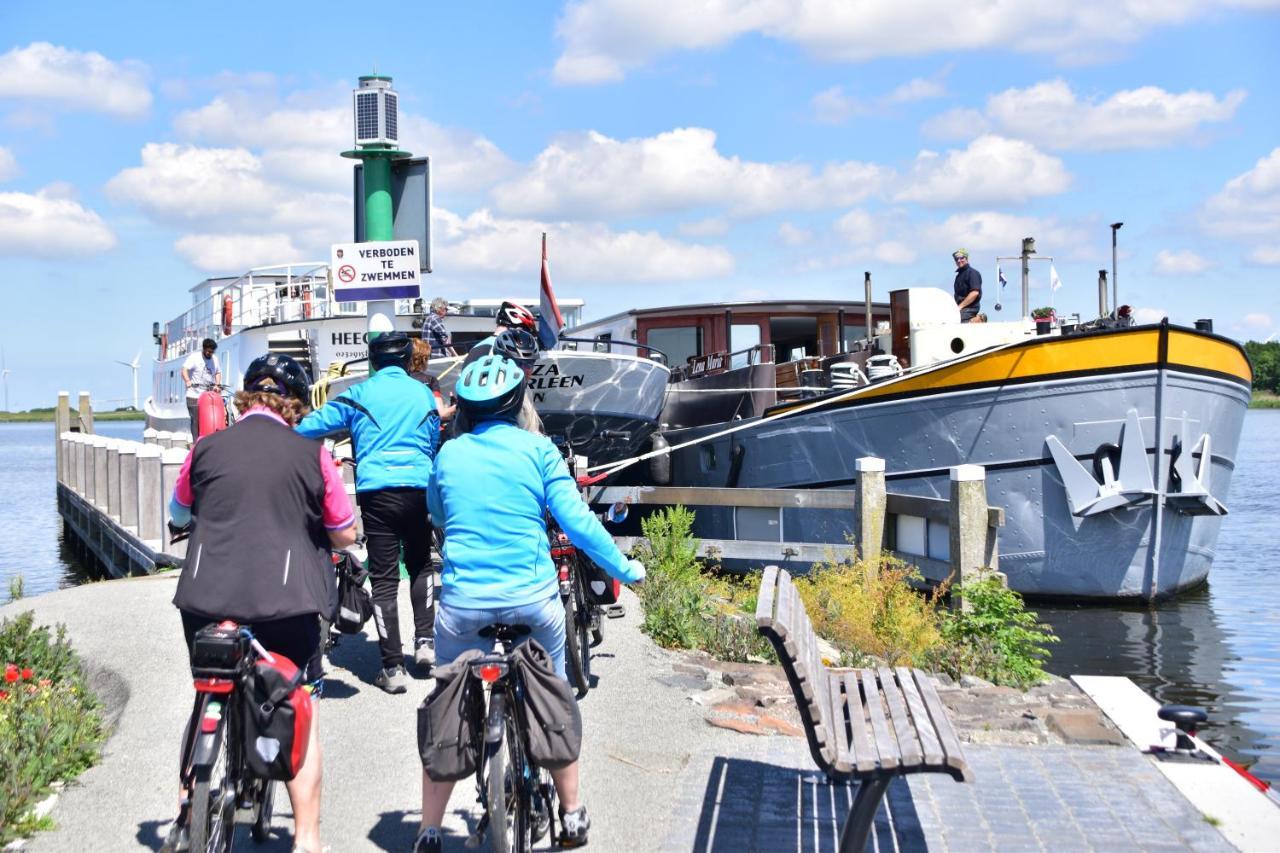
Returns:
(655,775)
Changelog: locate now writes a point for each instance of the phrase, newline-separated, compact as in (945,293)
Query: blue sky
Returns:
(674,151)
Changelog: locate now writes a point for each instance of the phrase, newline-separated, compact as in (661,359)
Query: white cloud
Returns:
(1258,321)
(894,252)
(1249,204)
(833,106)
(715,226)
(74,79)
(590,175)
(989,232)
(1182,263)
(1051,115)
(8,164)
(50,226)
(581,253)
(919,89)
(957,123)
(792,235)
(228,252)
(605,39)
(1144,316)
(184,182)
(1265,256)
(991,170)
(858,226)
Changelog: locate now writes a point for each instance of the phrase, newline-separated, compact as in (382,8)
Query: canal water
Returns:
(1218,647)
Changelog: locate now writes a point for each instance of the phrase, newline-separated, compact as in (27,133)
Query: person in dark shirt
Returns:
(968,286)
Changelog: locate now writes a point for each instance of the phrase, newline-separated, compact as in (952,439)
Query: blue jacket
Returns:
(394,427)
(491,489)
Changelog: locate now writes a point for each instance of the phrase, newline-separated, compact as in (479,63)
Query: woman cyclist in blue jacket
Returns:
(491,489)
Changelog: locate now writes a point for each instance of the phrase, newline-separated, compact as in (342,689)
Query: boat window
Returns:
(680,343)
(603,342)
(744,337)
(794,336)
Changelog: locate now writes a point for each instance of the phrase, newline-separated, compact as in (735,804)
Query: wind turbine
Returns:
(133,365)
(4,375)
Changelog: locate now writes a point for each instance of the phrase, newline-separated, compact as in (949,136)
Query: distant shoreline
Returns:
(46,416)
(1264,400)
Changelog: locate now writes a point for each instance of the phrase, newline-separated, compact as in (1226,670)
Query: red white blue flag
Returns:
(550,321)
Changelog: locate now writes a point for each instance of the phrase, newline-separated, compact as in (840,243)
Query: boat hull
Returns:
(999,411)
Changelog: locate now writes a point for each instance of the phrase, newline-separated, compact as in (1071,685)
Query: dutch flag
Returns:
(549,319)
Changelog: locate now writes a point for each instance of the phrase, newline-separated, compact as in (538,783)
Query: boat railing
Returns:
(608,345)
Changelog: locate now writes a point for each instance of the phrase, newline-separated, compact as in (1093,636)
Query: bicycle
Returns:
(221,791)
(217,409)
(518,797)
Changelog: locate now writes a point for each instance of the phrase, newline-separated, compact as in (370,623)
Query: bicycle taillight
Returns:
(491,672)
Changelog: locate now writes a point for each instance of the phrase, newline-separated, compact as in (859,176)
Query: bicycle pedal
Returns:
(615,611)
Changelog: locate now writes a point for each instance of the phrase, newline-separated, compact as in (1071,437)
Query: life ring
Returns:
(306,302)
(164,345)
(226,314)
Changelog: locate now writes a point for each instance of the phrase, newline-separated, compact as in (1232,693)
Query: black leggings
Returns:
(393,517)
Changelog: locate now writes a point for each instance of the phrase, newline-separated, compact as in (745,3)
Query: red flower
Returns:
(3,695)
(10,674)
(26,672)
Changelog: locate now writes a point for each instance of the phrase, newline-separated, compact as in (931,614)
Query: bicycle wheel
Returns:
(213,798)
(576,654)
(510,827)
(263,805)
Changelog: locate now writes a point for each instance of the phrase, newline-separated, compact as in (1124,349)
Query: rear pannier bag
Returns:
(550,711)
(600,587)
(355,605)
(277,719)
(450,721)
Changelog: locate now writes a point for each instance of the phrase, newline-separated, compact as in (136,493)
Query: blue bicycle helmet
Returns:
(278,374)
(492,387)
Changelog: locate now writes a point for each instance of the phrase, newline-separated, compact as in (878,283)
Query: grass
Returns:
(46,416)
(871,613)
(51,727)
(1264,400)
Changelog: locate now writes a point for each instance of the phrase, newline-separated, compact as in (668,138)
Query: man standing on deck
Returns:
(433,330)
(968,286)
(200,372)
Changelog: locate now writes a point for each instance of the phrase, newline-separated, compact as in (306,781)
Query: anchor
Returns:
(1193,497)
(1134,485)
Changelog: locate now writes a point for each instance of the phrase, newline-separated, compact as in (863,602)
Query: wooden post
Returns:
(77,462)
(100,472)
(86,413)
(968,526)
(62,424)
(150,509)
(149,435)
(129,485)
(869,515)
(171,460)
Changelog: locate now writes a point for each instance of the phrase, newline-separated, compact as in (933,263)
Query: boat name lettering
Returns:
(346,339)
(544,382)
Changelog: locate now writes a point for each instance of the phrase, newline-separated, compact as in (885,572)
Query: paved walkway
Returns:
(655,775)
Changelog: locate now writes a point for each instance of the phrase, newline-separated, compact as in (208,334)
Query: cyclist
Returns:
(491,489)
(520,346)
(510,316)
(200,372)
(395,430)
(270,504)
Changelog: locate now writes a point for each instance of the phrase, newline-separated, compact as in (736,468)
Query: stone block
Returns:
(1083,727)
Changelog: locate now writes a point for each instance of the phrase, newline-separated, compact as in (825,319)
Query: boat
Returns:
(1110,446)
(608,403)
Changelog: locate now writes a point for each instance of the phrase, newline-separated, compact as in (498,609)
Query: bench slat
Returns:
(839,732)
(864,754)
(782,621)
(929,743)
(886,745)
(790,624)
(946,734)
(908,742)
(768,594)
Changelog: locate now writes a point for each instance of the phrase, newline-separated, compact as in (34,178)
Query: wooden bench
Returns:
(865,724)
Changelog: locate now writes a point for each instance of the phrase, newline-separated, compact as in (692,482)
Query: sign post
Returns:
(372,272)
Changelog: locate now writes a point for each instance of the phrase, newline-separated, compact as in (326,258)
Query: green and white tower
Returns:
(377,140)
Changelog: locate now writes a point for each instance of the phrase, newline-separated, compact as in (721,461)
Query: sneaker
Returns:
(393,680)
(178,840)
(573,827)
(424,651)
(429,841)
(541,820)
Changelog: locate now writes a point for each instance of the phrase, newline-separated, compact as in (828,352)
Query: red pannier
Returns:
(277,719)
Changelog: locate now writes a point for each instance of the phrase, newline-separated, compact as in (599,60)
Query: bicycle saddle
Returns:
(506,633)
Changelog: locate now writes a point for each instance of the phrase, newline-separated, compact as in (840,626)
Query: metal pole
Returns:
(840,330)
(378,220)
(1102,293)
(1115,279)
(1028,248)
(866,304)
(728,332)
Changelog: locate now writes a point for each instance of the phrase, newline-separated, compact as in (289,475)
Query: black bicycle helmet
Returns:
(515,316)
(278,374)
(492,387)
(518,345)
(390,349)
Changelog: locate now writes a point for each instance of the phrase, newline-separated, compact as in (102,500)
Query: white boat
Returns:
(607,403)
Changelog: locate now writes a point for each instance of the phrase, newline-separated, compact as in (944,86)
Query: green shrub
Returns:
(50,725)
(16,587)
(996,638)
(869,610)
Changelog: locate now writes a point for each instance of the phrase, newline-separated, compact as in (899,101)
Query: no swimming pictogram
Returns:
(347,273)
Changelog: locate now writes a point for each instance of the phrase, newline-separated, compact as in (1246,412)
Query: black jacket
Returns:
(968,280)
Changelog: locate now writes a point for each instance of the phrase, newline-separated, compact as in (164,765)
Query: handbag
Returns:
(551,715)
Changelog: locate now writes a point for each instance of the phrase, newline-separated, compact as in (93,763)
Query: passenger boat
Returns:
(1109,446)
(608,403)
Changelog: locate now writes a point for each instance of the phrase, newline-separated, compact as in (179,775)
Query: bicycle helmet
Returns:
(390,349)
(518,345)
(515,316)
(492,387)
(278,374)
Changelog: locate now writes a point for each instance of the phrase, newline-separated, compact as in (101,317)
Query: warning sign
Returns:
(383,270)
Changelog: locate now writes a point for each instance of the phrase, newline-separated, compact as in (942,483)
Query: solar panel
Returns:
(392,128)
(366,115)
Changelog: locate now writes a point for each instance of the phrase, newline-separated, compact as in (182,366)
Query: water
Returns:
(1218,647)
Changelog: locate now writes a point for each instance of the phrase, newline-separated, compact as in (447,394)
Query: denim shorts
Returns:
(458,628)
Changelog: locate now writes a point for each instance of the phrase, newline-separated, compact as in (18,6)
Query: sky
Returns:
(674,152)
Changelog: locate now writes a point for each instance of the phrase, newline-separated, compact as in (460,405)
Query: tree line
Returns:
(1266,365)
